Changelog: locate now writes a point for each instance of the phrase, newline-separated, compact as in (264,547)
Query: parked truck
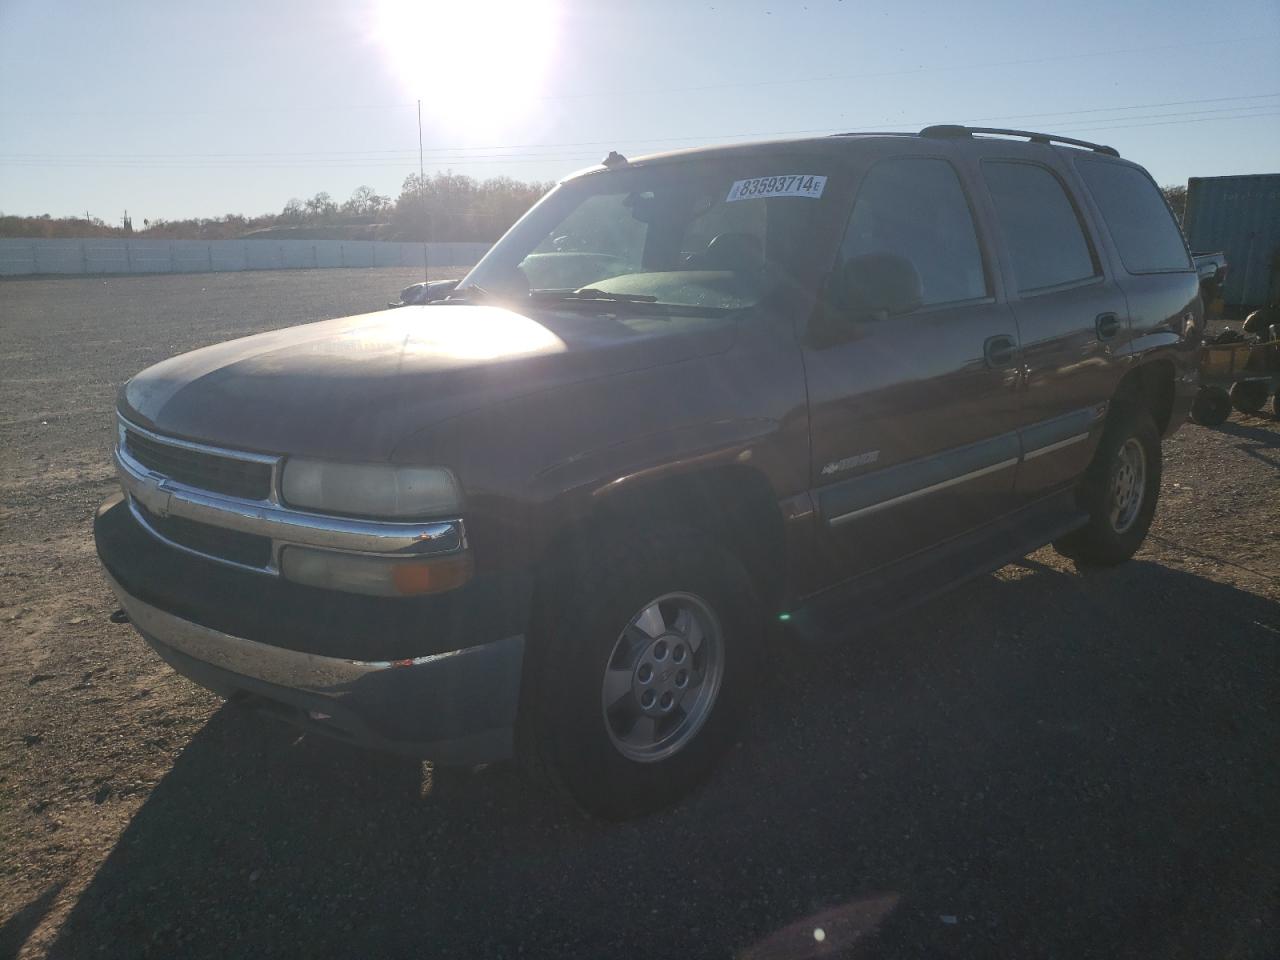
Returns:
(686,396)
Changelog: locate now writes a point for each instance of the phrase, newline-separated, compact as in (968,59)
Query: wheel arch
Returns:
(1151,384)
(733,505)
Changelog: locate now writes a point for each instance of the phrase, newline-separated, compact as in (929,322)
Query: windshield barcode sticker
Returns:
(792,185)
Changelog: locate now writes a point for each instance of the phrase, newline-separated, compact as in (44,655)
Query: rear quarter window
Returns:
(1145,233)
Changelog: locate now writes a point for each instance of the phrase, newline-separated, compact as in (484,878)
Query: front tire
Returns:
(641,668)
(1119,491)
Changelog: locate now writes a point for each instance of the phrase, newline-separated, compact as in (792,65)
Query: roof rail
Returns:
(874,133)
(951,130)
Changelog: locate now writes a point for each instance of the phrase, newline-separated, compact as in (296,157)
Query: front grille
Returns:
(243,548)
(196,468)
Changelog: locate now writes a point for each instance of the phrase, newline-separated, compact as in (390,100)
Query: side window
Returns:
(1040,225)
(916,208)
(1141,225)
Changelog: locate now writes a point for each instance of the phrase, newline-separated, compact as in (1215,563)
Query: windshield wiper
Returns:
(592,293)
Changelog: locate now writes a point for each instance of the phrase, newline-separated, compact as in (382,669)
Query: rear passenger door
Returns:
(1150,257)
(913,417)
(1072,316)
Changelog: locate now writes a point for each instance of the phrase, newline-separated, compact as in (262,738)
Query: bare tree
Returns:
(293,211)
(446,205)
(1175,194)
(365,200)
(321,206)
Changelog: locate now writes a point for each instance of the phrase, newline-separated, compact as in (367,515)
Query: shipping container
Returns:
(1241,217)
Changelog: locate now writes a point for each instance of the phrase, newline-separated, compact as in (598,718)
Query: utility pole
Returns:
(422,198)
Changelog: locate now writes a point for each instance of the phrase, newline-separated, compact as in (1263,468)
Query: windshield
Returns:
(708,236)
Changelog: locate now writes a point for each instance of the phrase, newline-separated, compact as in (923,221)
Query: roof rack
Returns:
(952,130)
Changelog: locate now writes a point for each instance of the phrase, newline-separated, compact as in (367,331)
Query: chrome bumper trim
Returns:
(164,497)
(145,524)
(248,658)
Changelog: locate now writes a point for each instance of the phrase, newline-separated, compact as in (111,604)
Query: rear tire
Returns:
(1119,490)
(626,710)
(1211,407)
(1249,396)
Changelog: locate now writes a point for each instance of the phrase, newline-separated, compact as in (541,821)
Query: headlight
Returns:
(370,489)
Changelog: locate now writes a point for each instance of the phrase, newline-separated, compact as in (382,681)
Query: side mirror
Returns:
(423,292)
(438,290)
(878,285)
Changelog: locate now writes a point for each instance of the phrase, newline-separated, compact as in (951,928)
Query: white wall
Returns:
(20,257)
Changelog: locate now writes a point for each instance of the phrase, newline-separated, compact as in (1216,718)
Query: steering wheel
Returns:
(736,252)
(568,243)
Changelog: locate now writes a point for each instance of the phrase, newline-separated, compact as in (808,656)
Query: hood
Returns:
(352,388)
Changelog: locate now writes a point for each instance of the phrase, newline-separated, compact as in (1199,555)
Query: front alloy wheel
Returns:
(663,677)
(639,670)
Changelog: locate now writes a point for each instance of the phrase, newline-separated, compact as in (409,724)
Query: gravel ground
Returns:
(1045,763)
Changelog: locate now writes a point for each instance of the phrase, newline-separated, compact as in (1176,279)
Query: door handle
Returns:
(1000,350)
(1107,325)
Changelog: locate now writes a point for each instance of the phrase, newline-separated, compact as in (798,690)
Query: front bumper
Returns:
(368,670)
(457,707)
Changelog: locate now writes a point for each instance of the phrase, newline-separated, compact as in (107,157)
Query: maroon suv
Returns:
(684,398)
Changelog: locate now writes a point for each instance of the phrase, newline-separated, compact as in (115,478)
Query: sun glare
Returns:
(479,66)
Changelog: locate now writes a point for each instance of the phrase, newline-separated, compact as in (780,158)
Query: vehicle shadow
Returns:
(1043,763)
(15,931)
(1257,439)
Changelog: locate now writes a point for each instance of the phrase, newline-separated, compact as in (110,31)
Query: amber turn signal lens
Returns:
(432,576)
(375,576)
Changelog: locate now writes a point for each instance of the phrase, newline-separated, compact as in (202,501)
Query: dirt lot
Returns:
(1045,763)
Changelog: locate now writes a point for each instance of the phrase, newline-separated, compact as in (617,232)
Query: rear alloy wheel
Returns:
(1128,485)
(1119,490)
(639,671)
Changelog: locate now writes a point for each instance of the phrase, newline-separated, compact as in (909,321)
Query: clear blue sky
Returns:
(176,109)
